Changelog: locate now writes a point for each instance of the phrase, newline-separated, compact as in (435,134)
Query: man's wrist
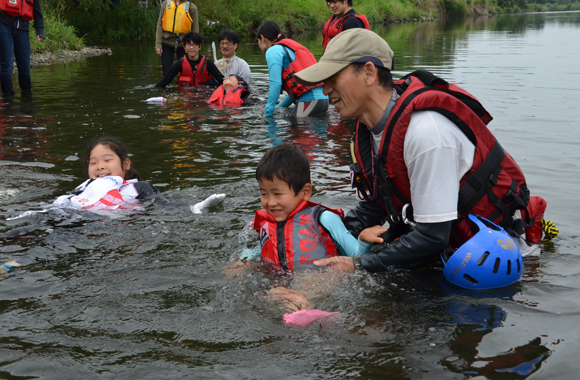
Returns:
(357,264)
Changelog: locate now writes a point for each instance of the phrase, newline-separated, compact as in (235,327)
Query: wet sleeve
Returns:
(421,243)
(145,190)
(364,215)
(275,62)
(215,72)
(347,244)
(244,70)
(171,73)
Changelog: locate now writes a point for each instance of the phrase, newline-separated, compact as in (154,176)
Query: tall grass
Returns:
(59,35)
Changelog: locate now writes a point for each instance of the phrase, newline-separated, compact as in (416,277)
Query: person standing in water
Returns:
(344,18)
(15,17)
(286,57)
(175,19)
(195,69)
(231,64)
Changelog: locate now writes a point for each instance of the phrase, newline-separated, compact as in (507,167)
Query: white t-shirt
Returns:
(234,66)
(437,154)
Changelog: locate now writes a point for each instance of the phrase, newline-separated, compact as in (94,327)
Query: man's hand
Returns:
(372,234)
(159,51)
(39,38)
(338,263)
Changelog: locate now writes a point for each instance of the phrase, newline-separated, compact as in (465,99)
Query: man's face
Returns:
(344,90)
(228,48)
(338,7)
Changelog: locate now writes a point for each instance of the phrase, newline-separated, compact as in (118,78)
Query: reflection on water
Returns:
(145,295)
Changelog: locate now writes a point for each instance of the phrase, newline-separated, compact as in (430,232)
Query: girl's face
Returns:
(103,161)
(264,43)
(231,81)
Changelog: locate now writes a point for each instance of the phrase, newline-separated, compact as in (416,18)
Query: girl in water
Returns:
(286,57)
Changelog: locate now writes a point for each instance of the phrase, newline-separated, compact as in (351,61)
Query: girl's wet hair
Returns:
(117,147)
(271,31)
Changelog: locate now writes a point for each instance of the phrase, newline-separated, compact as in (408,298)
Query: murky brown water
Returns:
(144,296)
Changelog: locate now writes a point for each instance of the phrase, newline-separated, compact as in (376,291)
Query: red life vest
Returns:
(494,187)
(18,8)
(188,78)
(232,98)
(335,25)
(298,241)
(303,58)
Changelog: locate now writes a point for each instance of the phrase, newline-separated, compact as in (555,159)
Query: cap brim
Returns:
(318,72)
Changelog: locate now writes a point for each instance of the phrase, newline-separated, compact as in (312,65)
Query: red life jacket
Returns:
(298,241)
(232,98)
(335,25)
(18,8)
(188,78)
(303,58)
(494,187)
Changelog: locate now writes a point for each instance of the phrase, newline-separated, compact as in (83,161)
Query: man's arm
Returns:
(364,215)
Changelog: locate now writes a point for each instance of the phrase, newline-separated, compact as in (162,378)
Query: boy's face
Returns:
(338,7)
(279,200)
(192,50)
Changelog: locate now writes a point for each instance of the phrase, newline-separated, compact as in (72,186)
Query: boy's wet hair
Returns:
(231,35)
(117,147)
(287,163)
(242,82)
(194,37)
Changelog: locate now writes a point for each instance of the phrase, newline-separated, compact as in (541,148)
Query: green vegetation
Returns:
(59,35)
(136,20)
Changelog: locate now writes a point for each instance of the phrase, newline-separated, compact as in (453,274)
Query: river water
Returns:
(146,296)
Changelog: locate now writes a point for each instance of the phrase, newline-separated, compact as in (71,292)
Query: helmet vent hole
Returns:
(482,259)
(470,279)
(509,267)
(519,265)
(496,266)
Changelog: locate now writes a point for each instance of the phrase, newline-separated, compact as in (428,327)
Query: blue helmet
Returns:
(490,259)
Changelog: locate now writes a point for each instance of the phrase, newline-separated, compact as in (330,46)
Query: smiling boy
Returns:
(344,18)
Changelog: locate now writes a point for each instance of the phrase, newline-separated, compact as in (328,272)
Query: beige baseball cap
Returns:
(351,46)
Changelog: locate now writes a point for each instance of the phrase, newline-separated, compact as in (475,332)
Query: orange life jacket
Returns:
(191,78)
(335,25)
(232,98)
(298,241)
(303,58)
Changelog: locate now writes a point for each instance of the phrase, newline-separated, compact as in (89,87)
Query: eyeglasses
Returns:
(226,43)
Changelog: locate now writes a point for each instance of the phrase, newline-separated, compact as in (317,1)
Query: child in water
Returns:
(113,184)
(195,69)
(232,93)
(295,232)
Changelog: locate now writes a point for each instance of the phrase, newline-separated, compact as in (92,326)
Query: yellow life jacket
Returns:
(176,19)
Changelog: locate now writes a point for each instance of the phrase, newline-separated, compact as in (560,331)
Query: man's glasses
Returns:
(226,43)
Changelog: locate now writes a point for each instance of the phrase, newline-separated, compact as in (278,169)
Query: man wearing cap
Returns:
(418,139)
(344,17)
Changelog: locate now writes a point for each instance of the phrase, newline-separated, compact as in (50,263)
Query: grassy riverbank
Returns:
(70,23)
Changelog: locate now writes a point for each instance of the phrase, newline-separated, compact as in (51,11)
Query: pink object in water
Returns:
(305,318)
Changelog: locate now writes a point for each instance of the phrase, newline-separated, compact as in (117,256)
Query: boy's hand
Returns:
(292,300)
(372,234)
(338,263)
